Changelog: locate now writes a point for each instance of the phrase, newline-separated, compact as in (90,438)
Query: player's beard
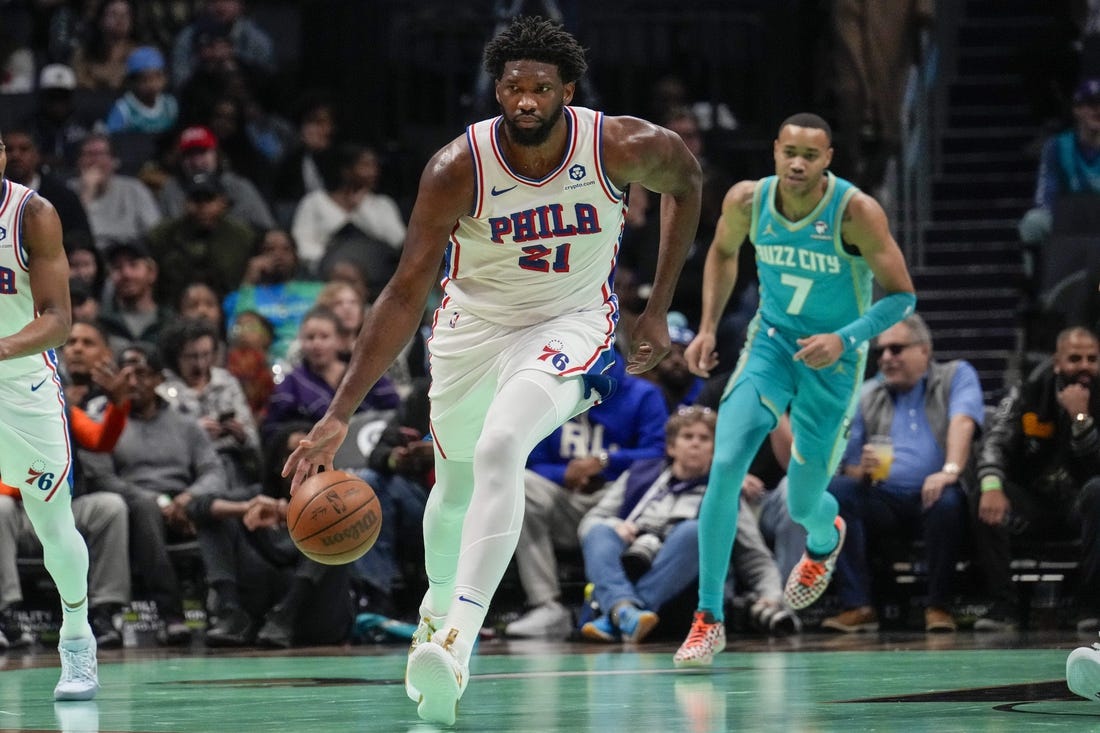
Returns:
(533,136)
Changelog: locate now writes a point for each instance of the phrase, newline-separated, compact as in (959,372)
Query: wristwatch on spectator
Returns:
(952,468)
(603,458)
(1082,423)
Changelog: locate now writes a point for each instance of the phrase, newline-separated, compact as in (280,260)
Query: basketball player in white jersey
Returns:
(527,209)
(35,458)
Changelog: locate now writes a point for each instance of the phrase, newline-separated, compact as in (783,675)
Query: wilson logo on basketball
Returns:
(354,531)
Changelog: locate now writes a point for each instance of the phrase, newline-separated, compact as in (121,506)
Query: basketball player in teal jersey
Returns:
(820,244)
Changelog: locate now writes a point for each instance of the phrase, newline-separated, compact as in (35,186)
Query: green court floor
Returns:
(570,688)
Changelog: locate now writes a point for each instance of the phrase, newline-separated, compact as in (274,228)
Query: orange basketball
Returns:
(334,517)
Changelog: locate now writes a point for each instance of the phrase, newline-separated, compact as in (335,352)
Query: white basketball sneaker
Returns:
(436,671)
(1083,671)
(428,625)
(79,670)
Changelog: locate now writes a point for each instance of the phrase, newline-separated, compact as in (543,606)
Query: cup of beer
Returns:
(883,448)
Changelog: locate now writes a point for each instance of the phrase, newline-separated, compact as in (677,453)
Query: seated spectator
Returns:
(195,386)
(205,243)
(401,469)
(1039,473)
(81,301)
(16,51)
(347,304)
(272,288)
(119,207)
(25,166)
(163,460)
(567,474)
(259,578)
(648,519)
(930,411)
(146,106)
(248,43)
(305,393)
(350,199)
(100,60)
(1070,163)
(248,360)
(133,313)
(198,301)
(198,153)
(58,128)
(299,171)
(86,263)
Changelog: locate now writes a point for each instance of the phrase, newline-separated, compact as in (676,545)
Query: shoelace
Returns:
(810,571)
(699,630)
(77,665)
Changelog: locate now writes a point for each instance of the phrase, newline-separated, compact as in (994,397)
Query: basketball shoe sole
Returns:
(440,677)
(1083,672)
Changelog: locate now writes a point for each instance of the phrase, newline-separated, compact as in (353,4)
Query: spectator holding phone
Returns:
(210,394)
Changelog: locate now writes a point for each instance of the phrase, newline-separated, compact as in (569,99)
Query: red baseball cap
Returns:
(197,138)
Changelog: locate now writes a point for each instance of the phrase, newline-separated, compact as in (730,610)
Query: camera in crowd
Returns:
(637,559)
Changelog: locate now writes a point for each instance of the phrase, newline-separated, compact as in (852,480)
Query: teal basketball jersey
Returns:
(808,282)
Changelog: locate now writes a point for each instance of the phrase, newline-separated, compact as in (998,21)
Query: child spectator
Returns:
(146,107)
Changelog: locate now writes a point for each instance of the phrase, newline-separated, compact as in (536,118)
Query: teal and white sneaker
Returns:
(436,671)
(1083,671)
(428,625)
(79,670)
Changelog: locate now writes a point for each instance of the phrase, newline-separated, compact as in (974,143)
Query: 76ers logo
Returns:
(39,477)
(552,353)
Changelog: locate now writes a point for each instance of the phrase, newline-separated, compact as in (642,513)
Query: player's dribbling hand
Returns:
(701,355)
(315,451)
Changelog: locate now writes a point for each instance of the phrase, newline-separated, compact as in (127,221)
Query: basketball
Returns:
(334,517)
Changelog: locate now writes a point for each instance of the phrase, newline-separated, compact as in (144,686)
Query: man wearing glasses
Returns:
(926,415)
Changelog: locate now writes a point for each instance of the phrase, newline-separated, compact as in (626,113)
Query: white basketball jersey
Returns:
(16,301)
(532,249)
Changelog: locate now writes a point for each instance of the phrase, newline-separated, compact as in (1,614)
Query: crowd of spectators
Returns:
(222,259)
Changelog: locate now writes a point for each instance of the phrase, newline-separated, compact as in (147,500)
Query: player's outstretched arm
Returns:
(445,194)
(720,274)
(865,226)
(636,151)
(48,268)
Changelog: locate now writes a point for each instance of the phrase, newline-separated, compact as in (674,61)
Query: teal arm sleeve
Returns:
(883,314)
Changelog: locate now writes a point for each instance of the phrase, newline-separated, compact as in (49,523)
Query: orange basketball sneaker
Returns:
(706,638)
(810,577)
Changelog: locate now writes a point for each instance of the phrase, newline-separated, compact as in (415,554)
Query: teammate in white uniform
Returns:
(528,210)
(34,439)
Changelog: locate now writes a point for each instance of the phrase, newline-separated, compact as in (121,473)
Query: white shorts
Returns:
(35,452)
(470,358)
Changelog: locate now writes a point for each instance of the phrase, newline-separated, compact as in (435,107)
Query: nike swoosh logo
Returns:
(470,600)
(495,192)
(34,387)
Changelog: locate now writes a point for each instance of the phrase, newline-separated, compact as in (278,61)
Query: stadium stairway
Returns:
(970,279)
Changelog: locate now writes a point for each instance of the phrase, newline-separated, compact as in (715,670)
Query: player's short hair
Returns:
(532,38)
(686,416)
(808,119)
